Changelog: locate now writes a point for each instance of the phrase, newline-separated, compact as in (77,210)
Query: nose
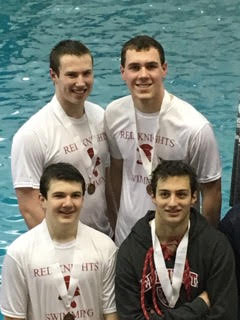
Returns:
(80,81)
(172,201)
(143,72)
(67,202)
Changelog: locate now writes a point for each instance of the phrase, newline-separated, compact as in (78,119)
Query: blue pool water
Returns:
(201,40)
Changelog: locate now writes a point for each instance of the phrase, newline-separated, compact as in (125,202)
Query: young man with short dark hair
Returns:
(152,124)
(61,269)
(174,265)
(68,129)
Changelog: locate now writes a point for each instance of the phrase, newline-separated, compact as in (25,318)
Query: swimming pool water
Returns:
(201,40)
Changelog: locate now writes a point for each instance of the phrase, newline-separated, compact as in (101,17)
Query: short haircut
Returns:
(60,171)
(173,168)
(140,43)
(71,47)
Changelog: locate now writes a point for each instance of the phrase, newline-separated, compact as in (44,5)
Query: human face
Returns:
(74,82)
(63,204)
(144,74)
(173,201)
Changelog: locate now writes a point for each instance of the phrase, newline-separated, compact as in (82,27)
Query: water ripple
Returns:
(201,41)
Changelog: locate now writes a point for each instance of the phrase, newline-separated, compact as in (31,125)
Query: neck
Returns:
(168,233)
(147,106)
(72,110)
(151,105)
(62,233)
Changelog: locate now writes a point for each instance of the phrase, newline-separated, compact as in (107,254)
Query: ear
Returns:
(154,199)
(122,70)
(53,74)
(42,201)
(194,198)
(165,69)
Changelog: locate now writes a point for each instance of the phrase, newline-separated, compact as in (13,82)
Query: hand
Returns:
(205,298)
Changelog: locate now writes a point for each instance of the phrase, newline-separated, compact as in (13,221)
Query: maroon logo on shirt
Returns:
(194,281)
(147,150)
(76,293)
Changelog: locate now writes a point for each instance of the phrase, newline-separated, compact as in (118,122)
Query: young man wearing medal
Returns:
(61,269)
(173,264)
(152,124)
(68,129)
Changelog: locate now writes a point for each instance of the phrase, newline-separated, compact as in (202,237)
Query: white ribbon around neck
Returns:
(88,163)
(172,288)
(57,275)
(148,164)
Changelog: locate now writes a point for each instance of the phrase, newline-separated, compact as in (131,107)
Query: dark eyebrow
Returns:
(77,192)
(133,64)
(152,63)
(70,72)
(179,190)
(57,193)
(62,193)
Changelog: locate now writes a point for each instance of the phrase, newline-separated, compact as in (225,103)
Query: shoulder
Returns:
(118,114)
(97,240)
(210,237)
(94,112)
(187,112)
(90,106)
(35,123)
(230,226)
(123,102)
(23,244)
(139,240)
(232,217)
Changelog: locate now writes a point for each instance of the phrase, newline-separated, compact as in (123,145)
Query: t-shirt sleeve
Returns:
(27,159)
(108,295)
(14,293)
(204,155)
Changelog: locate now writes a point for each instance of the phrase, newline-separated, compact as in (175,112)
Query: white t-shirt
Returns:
(50,136)
(183,134)
(29,289)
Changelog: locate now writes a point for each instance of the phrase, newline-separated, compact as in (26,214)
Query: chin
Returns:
(175,219)
(67,219)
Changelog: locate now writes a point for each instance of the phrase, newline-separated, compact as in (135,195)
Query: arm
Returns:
(30,206)
(211,201)
(108,287)
(221,281)
(128,298)
(110,316)
(116,169)
(205,298)
(111,204)
(14,290)
(27,162)
(230,226)
(204,158)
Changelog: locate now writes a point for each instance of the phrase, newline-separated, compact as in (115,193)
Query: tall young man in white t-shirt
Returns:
(61,269)
(152,124)
(68,129)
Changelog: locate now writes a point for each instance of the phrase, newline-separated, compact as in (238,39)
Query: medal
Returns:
(69,316)
(89,158)
(67,287)
(91,188)
(149,162)
(171,288)
(149,189)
